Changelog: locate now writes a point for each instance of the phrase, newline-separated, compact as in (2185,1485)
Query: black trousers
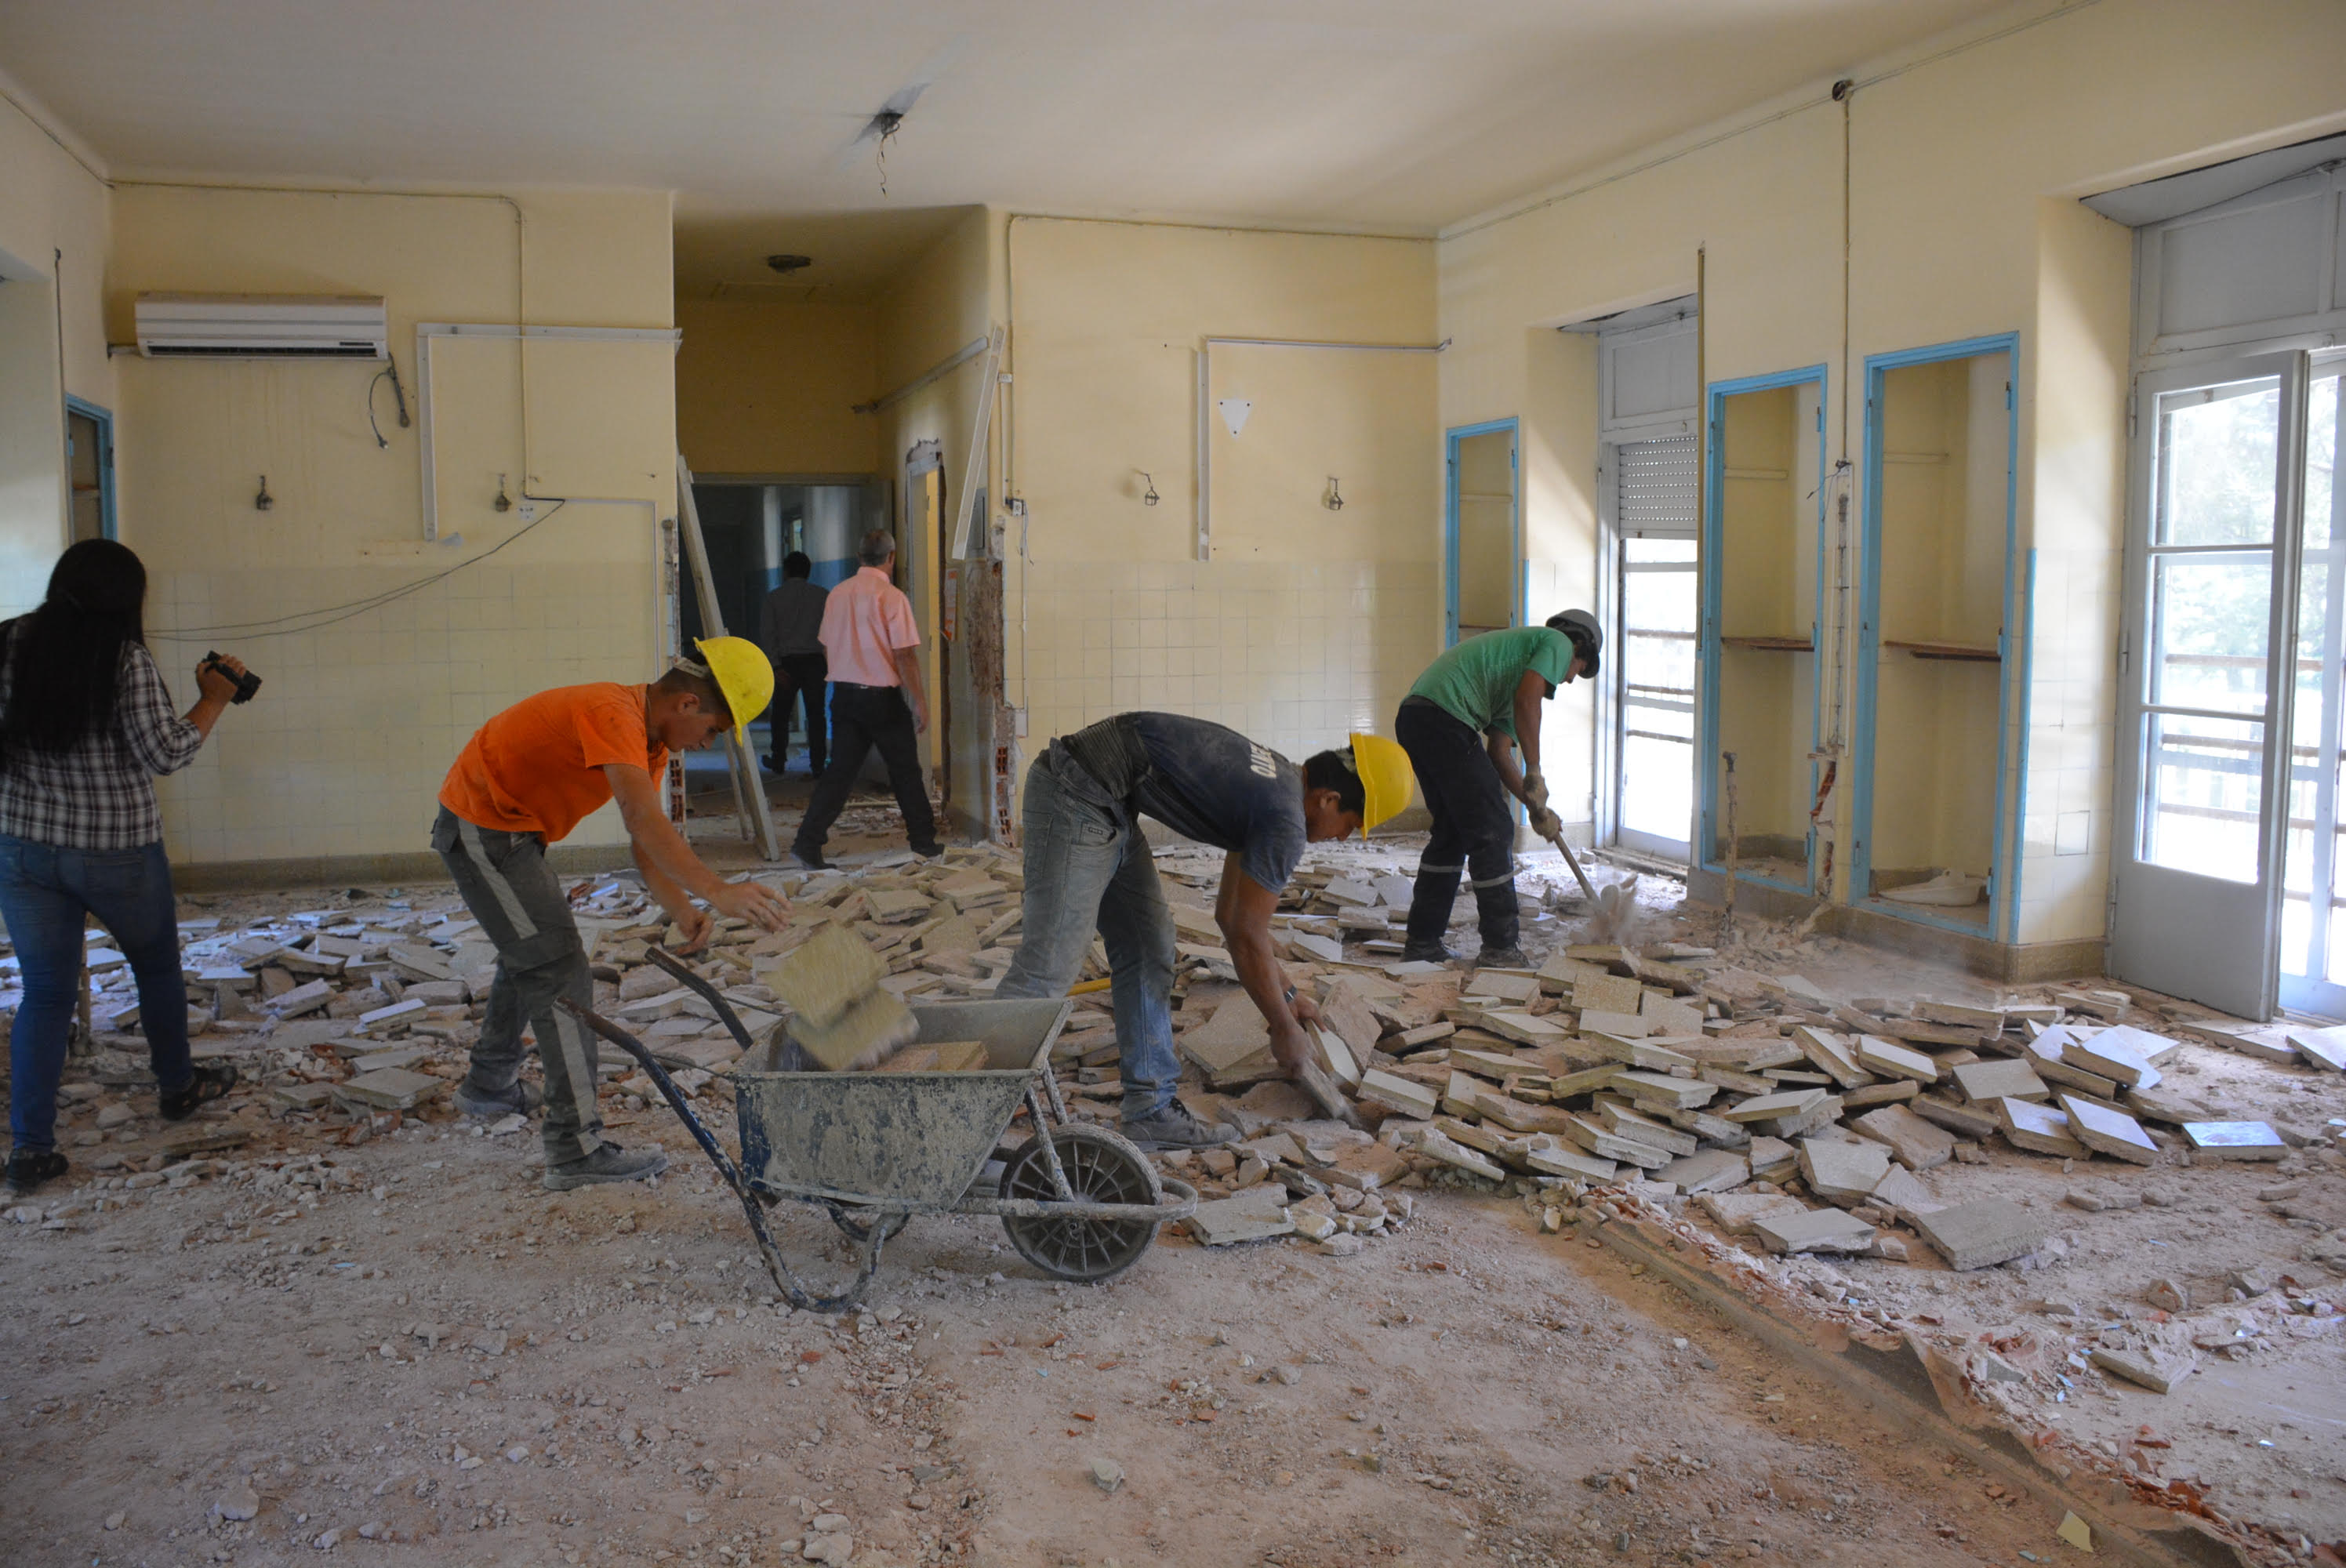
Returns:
(801,677)
(863,717)
(1473,827)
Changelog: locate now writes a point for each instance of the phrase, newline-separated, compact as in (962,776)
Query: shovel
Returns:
(1610,911)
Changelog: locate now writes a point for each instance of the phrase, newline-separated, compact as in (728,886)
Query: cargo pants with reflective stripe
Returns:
(1474,828)
(509,888)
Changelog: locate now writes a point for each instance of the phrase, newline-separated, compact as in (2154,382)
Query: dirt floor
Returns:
(380,1336)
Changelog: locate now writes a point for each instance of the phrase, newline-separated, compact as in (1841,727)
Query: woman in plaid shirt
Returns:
(84,722)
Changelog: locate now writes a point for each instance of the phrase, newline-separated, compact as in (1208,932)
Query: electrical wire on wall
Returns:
(282,626)
(399,395)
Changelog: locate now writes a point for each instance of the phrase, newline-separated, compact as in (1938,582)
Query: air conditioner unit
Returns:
(262,327)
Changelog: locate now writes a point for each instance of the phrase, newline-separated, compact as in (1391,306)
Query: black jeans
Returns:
(799,677)
(863,717)
(1473,827)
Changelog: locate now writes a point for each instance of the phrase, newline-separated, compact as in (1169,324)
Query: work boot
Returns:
(1510,957)
(609,1162)
(484,1106)
(1176,1127)
(28,1169)
(1425,952)
(810,858)
(211,1080)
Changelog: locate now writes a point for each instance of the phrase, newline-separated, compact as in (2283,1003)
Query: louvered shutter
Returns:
(1659,488)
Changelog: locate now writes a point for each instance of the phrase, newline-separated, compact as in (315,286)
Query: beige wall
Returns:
(54,223)
(1962,223)
(771,389)
(365,710)
(1306,623)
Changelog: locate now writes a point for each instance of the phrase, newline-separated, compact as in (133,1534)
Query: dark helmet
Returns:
(1587,636)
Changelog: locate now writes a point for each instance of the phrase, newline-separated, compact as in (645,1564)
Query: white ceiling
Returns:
(1395,116)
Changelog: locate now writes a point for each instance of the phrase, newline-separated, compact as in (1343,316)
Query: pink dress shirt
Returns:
(866,620)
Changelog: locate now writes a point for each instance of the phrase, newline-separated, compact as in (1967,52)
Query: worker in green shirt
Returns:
(1461,725)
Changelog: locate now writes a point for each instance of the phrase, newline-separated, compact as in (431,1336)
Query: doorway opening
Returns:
(1483,533)
(1649,491)
(89,469)
(749,527)
(1941,438)
(1762,564)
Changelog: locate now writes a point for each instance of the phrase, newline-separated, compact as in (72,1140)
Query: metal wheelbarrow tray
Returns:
(1079,1202)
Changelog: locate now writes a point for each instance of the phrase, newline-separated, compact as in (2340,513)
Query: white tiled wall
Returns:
(2069,807)
(1294,655)
(344,749)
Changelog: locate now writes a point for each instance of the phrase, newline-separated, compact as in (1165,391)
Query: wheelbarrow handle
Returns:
(804,1300)
(679,970)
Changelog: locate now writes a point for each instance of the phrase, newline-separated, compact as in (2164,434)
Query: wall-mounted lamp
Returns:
(264,501)
(1335,500)
(504,503)
(1149,496)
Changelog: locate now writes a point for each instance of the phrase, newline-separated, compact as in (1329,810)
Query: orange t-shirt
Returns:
(537,766)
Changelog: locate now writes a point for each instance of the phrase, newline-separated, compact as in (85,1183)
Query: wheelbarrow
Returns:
(1079,1202)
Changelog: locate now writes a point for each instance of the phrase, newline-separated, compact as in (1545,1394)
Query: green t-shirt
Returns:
(1475,682)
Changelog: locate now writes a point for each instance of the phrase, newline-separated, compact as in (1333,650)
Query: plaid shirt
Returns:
(97,794)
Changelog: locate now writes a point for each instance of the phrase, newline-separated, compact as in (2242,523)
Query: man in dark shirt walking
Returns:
(788,624)
(1088,870)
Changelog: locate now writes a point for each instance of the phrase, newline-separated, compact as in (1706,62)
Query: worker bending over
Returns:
(1088,868)
(522,782)
(1460,724)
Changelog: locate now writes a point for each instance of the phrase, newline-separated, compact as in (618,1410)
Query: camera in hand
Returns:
(246,683)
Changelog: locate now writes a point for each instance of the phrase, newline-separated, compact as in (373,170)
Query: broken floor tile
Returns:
(1842,1173)
(1253,1215)
(1999,1079)
(1982,1233)
(1913,1142)
(2039,1129)
(2234,1141)
(1814,1230)
(1736,1212)
(2145,1368)
(2108,1132)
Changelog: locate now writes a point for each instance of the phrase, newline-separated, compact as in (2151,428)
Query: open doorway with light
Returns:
(751,528)
(1649,510)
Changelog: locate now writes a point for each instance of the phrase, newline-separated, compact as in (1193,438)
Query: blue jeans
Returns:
(1088,868)
(47,890)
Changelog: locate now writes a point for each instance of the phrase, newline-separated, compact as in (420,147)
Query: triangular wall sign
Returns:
(1234,412)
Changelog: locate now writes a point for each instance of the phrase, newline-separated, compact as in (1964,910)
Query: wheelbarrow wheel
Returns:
(1102,1167)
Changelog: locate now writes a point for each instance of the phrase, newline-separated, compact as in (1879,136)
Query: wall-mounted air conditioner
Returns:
(263,326)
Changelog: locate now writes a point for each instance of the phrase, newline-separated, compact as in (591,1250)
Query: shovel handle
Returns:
(1586,890)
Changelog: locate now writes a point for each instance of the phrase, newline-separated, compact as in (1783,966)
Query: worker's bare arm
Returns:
(1531,691)
(1503,757)
(1243,909)
(665,858)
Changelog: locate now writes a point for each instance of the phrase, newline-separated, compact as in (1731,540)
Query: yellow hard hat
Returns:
(1386,779)
(743,674)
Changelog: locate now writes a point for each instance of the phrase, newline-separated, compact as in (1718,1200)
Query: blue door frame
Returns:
(1450,520)
(1714,509)
(104,422)
(2004,881)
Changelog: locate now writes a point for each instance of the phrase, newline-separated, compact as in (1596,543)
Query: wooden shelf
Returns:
(1963,651)
(1772,644)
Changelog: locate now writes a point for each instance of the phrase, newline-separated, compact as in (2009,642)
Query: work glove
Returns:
(1545,823)
(1534,790)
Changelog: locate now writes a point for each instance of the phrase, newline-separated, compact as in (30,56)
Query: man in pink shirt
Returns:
(876,700)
